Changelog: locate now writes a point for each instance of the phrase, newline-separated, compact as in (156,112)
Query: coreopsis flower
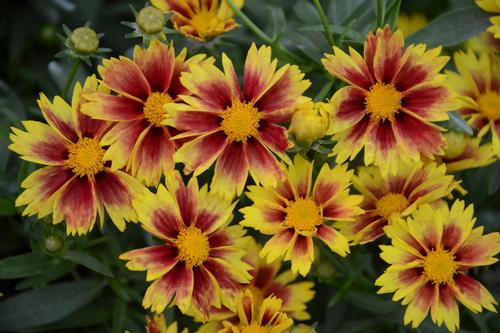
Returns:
(410,23)
(139,142)
(465,152)
(258,317)
(295,212)
(429,258)
(394,95)
(310,122)
(76,184)
(478,85)
(492,6)
(389,196)
(485,42)
(237,127)
(200,258)
(201,20)
(158,324)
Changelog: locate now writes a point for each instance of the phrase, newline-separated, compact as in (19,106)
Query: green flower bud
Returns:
(84,40)
(150,20)
(53,244)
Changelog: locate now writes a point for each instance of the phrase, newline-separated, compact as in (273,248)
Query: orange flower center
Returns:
(240,121)
(206,24)
(489,105)
(153,108)
(86,157)
(254,328)
(391,203)
(303,215)
(440,266)
(456,144)
(193,246)
(383,101)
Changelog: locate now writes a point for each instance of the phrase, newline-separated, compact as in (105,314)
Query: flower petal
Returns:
(258,73)
(472,294)
(350,68)
(112,108)
(263,166)
(333,239)
(157,64)
(231,171)
(156,260)
(302,255)
(59,116)
(445,309)
(383,53)
(478,249)
(348,108)
(430,101)
(278,245)
(419,305)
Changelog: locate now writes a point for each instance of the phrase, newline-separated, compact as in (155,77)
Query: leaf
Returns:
(119,313)
(351,34)
(457,123)
(278,21)
(46,305)
(306,12)
(494,183)
(7,206)
(452,28)
(24,265)
(88,261)
(43,279)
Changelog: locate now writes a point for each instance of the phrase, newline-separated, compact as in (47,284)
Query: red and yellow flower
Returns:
(76,184)
(238,127)
(158,324)
(295,212)
(387,197)
(429,259)
(201,20)
(478,85)
(394,95)
(492,6)
(139,142)
(200,258)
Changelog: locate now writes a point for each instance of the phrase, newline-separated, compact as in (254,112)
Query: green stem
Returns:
(380,13)
(71,76)
(324,21)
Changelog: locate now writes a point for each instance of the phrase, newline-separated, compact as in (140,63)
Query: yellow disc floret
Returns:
(150,20)
(193,246)
(153,109)
(391,203)
(383,101)
(440,266)
(303,215)
(240,121)
(489,105)
(207,24)
(254,328)
(86,157)
(84,40)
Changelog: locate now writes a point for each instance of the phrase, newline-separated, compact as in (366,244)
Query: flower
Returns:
(76,184)
(465,152)
(310,122)
(411,23)
(492,6)
(478,86)
(200,258)
(139,142)
(393,96)
(201,20)
(294,214)
(389,196)
(255,317)
(237,127)
(485,42)
(429,259)
(159,325)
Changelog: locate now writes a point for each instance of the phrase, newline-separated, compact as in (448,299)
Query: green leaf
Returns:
(458,124)
(119,313)
(24,265)
(43,279)
(88,261)
(278,21)
(7,206)
(452,28)
(46,305)
(393,13)
(494,183)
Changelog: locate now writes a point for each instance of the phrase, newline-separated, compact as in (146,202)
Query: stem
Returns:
(324,21)
(380,13)
(71,76)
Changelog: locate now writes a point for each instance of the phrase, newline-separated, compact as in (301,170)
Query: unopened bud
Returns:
(456,144)
(53,244)
(310,122)
(150,20)
(84,40)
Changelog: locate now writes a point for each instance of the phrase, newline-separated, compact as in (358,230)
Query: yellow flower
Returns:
(465,152)
(410,23)
(485,42)
(492,6)
(310,122)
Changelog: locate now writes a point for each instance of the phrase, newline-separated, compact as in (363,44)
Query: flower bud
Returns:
(456,144)
(84,40)
(150,20)
(53,244)
(310,122)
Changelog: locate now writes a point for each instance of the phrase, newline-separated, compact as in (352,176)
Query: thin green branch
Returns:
(380,13)
(71,76)
(324,21)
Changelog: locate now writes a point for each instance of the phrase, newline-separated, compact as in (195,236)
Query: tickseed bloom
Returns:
(294,214)
(258,317)
(478,86)
(200,258)
(410,23)
(393,96)
(139,142)
(201,20)
(389,196)
(77,184)
(485,42)
(492,6)
(237,127)
(429,258)
(310,122)
(465,152)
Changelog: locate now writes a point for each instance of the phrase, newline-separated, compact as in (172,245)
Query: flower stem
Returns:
(71,76)
(380,13)
(324,21)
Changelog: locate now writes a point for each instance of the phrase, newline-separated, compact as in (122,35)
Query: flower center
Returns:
(383,101)
(254,328)
(456,144)
(440,266)
(153,109)
(150,20)
(303,215)
(489,105)
(86,157)
(206,24)
(391,203)
(193,246)
(84,40)
(240,121)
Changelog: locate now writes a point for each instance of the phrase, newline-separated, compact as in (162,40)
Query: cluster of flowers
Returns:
(147,115)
